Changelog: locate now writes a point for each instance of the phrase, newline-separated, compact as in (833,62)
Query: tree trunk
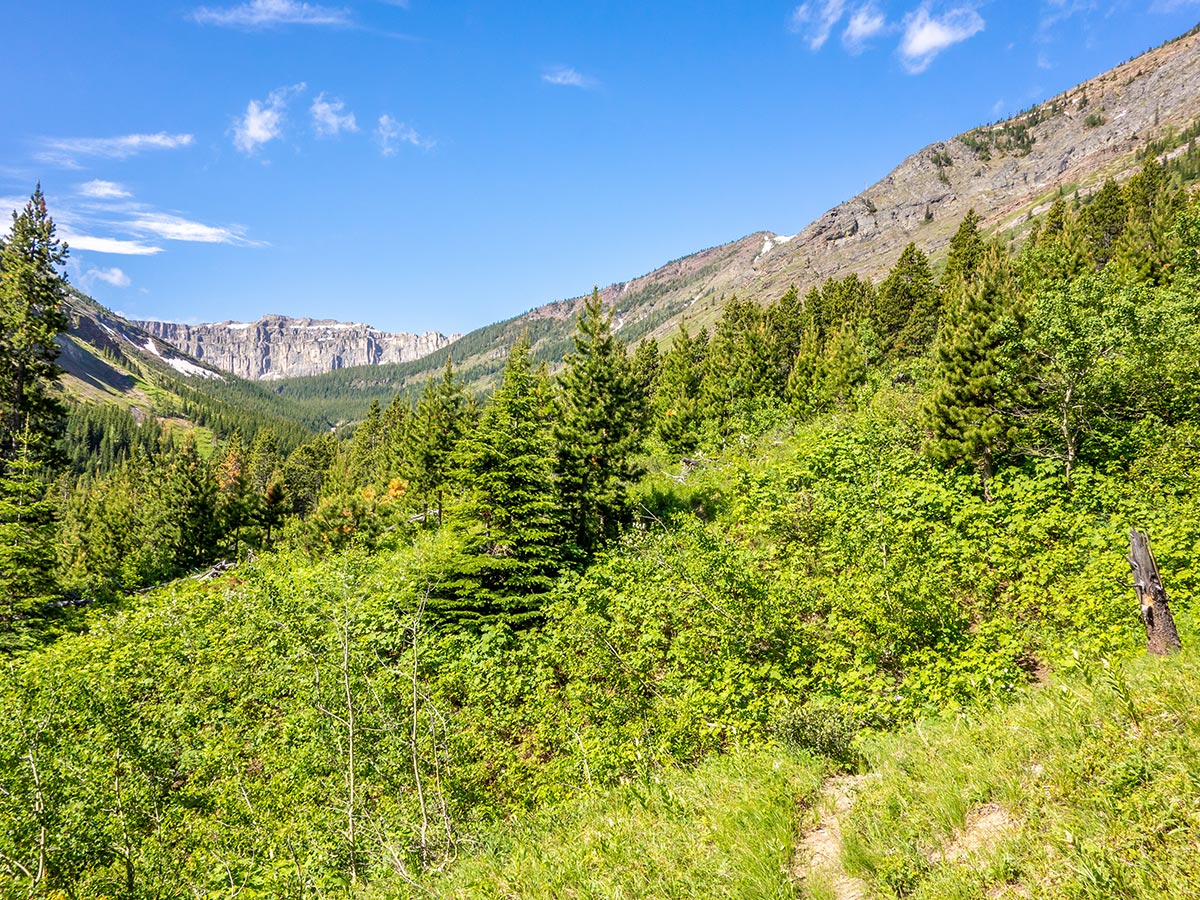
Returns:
(1161,636)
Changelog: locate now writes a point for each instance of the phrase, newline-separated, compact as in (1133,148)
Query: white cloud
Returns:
(113,276)
(108,245)
(263,121)
(266,13)
(565,76)
(926,36)
(389,133)
(103,190)
(816,20)
(65,151)
(328,118)
(865,22)
(175,228)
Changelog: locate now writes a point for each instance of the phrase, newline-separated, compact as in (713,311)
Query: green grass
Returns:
(726,829)
(1097,775)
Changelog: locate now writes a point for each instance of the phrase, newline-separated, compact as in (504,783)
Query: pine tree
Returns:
(1102,222)
(678,417)
(598,431)
(510,520)
(969,412)
(27,552)
(443,416)
(842,368)
(908,307)
(31,291)
(966,254)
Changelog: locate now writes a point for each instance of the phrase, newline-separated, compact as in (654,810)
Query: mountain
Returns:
(1007,171)
(107,359)
(280,347)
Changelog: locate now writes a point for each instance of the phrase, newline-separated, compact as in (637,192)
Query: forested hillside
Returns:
(616,620)
(1008,172)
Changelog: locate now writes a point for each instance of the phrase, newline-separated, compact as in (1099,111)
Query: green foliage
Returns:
(31,291)
(511,526)
(977,384)
(599,428)
(722,831)
(1079,783)
(27,534)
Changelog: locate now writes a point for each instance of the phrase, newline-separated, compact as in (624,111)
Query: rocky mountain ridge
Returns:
(1007,171)
(282,347)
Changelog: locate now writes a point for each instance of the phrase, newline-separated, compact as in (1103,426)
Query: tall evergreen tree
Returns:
(1102,222)
(908,307)
(597,435)
(443,416)
(27,552)
(678,417)
(511,528)
(969,411)
(966,253)
(31,291)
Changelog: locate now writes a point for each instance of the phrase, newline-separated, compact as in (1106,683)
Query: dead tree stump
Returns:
(1162,638)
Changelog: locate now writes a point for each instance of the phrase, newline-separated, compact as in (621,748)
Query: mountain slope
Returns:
(109,360)
(1006,172)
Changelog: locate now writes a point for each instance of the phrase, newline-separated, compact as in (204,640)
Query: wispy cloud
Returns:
(108,245)
(865,22)
(565,76)
(103,190)
(263,121)
(169,227)
(114,277)
(270,13)
(67,151)
(1170,6)
(391,133)
(328,118)
(816,20)
(925,35)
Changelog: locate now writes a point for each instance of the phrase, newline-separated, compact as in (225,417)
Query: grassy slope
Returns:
(1097,776)
(723,830)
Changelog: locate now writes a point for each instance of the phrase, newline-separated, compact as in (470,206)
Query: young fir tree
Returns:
(27,545)
(31,291)
(1102,222)
(678,418)
(598,432)
(646,364)
(443,416)
(510,525)
(908,305)
(786,324)
(966,254)
(969,411)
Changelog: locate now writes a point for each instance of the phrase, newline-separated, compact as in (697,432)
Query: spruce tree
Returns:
(443,416)
(966,254)
(678,417)
(510,522)
(598,431)
(908,306)
(31,291)
(969,411)
(27,544)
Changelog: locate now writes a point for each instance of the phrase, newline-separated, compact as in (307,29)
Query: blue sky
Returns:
(442,165)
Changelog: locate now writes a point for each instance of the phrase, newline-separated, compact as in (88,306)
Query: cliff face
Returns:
(281,347)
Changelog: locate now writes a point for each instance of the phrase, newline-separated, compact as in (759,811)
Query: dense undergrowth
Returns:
(593,634)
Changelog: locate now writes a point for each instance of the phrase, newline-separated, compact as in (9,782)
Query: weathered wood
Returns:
(1162,637)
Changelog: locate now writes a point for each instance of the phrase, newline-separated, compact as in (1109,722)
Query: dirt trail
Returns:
(817,863)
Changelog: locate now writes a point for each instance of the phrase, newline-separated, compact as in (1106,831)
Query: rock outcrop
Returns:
(281,347)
